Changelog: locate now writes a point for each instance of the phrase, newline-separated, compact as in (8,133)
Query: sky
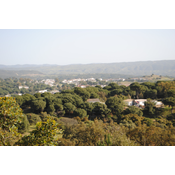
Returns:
(85,46)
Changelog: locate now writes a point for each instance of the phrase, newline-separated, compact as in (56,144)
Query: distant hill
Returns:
(19,73)
(141,68)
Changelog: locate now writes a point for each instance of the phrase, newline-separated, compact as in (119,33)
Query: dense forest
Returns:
(69,118)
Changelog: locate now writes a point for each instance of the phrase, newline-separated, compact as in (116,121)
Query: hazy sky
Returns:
(64,47)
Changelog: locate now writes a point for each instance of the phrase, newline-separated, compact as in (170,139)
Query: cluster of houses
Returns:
(76,81)
(141,102)
(84,86)
(118,79)
(49,82)
(52,92)
(131,102)
(138,79)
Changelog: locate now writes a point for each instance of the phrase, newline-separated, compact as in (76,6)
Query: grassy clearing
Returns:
(67,121)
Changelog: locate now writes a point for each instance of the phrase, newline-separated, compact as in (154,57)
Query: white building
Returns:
(42,91)
(91,79)
(25,87)
(49,82)
(83,86)
(8,95)
(54,91)
(140,102)
(135,102)
(64,81)
(128,102)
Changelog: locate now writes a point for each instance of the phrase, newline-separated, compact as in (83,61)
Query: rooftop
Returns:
(93,100)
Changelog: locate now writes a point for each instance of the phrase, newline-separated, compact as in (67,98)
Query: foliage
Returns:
(136,87)
(115,92)
(43,135)
(33,118)
(10,115)
(169,101)
(38,105)
(100,109)
(149,107)
(134,118)
(133,110)
(116,105)
(82,93)
(83,134)
(80,112)
(24,125)
(152,136)
(19,100)
(69,107)
(152,93)
(115,126)
(96,133)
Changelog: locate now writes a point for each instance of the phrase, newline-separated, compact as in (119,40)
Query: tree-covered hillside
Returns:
(19,73)
(128,68)
(70,118)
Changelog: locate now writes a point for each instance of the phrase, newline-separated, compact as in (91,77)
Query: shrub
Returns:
(80,112)
(65,142)
(10,115)
(68,121)
(33,118)
(24,125)
(43,116)
(133,110)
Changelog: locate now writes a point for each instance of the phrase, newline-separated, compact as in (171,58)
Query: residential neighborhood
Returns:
(141,102)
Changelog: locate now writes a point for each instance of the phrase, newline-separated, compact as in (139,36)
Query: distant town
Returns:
(14,86)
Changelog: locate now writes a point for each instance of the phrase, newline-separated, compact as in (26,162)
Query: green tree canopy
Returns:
(69,107)
(171,93)
(100,109)
(38,105)
(43,135)
(169,101)
(136,87)
(133,110)
(10,115)
(150,106)
(151,94)
(116,105)
(80,113)
(82,92)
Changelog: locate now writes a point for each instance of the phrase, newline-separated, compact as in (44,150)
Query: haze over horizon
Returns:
(82,46)
(82,63)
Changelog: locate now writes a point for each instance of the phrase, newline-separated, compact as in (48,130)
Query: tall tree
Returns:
(43,135)
(133,110)
(169,101)
(69,108)
(136,87)
(116,105)
(150,106)
(38,105)
(100,109)
(10,115)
